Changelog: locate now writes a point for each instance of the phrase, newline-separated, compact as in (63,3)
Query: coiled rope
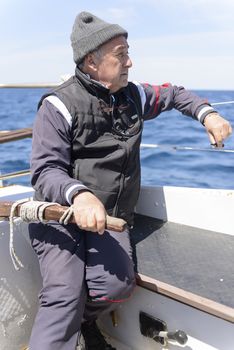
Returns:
(30,210)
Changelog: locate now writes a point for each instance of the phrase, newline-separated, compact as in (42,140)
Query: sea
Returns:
(168,164)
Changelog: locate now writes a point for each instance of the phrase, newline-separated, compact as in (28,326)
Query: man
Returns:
(85,152)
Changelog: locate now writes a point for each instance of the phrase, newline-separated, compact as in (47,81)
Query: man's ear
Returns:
(91,62)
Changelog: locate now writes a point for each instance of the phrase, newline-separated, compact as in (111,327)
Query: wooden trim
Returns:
(14,135)
(203,304)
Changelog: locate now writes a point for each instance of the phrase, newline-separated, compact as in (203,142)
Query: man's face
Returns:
(113,64)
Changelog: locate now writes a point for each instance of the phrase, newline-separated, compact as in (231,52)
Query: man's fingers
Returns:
(216,138)
(229,130)
(91,221)
(100,221)
(212,139)
(82,220)
(218,129)
(90,213)
(226,130)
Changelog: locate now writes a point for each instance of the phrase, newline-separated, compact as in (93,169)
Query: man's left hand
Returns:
(218,129)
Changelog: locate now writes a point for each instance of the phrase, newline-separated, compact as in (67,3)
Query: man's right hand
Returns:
(89,212)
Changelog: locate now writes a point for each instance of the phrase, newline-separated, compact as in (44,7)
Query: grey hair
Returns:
(97,53)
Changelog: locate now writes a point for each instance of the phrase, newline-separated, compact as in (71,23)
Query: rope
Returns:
(185,148)
(221,103)
(34,210)
(31,210)
(15,259)
(67,215)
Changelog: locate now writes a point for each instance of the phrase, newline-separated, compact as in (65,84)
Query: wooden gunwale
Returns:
(209,306)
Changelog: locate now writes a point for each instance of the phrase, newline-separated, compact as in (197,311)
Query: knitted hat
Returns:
(89,32)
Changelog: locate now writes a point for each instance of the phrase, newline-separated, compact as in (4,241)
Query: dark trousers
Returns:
(84,274)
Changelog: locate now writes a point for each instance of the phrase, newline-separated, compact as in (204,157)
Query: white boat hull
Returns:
(19,289)
(205,332)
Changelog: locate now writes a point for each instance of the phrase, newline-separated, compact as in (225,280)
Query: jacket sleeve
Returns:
(160,98)
(51,168)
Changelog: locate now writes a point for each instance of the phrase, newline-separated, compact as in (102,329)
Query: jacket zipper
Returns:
(121,182)
(122,177)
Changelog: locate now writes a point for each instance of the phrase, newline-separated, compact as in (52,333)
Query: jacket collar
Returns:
(95,87)
(92,85)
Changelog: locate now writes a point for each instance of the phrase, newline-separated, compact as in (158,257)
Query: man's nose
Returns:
(128,62)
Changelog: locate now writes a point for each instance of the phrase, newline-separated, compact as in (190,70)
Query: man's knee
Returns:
(113,289)
(109,272)
(120,290)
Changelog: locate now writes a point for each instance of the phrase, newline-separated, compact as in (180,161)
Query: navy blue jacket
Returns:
(86,137)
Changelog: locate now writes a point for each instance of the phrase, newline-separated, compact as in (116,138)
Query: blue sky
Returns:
(186,42)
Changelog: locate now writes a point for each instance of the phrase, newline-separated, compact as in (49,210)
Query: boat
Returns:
(183,245)
(184,273)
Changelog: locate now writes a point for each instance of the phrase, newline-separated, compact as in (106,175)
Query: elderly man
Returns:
(86,141)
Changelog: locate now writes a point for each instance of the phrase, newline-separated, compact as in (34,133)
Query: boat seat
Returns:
(194,260)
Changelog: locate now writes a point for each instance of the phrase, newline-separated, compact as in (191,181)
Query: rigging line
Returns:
(221,103)
(14,174)
(186,148)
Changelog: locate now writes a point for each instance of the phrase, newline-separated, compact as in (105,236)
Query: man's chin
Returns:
(124,76)
(124,83)
(124,80)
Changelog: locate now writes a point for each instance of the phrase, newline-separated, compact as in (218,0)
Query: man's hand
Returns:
(218,128)
(89,212)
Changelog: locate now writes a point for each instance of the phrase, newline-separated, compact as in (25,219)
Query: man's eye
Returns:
(123,54)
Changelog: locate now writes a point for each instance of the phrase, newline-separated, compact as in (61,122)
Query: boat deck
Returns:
(192,259)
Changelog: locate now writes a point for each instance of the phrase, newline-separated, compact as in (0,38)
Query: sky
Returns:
(185,42)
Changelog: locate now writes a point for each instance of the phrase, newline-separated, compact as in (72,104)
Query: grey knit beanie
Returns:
(89,32)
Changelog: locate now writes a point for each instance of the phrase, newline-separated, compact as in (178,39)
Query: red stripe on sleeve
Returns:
(156,89)
(165,85)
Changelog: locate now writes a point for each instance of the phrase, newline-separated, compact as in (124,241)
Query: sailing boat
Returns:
(183,248)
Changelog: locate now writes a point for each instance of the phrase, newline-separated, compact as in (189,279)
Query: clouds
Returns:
(195,60)
(188,42)
(215,73)
(126,15)
(192,5)
(117,14)
(208,14)
(47,64)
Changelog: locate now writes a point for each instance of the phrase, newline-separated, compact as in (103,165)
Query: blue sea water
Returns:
(160,166)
